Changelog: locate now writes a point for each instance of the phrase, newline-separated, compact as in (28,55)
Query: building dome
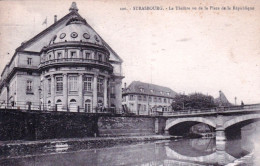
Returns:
(77,30)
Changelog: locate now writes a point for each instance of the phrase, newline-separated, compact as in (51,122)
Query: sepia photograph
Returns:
(130,82)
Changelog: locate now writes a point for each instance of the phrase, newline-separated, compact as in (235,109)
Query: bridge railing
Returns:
(191,111)
(251,107)
(248,107)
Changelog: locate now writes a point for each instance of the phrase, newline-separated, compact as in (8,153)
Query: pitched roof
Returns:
(56,24)
(138,87)
(42,33)
(222,99)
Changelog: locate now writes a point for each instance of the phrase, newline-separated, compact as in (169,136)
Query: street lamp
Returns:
(40,92)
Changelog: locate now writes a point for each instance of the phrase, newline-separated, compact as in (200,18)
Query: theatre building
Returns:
(66,67)
(146,99)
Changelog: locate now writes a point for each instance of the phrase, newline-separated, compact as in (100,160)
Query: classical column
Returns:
(66,53)
(105,92)
(81,97)
(108,92)
(44,93)
(65,91)
(81,53)
(7,96)
(52,92)
(95,92)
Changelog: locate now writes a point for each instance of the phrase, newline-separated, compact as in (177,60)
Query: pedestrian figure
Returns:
(242,104)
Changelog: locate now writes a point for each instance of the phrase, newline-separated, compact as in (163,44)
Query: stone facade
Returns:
(147,99)
(66,67)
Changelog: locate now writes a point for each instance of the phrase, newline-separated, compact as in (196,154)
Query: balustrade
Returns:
(73,60)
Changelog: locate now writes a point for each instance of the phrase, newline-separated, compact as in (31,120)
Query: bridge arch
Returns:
(191,119)
(241,119)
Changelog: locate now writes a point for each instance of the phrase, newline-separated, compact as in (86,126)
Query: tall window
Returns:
(95,57)
(100,85)
(87,83)
(139,97)
(73,54)
(87,55)
(144,98)
(160,100)
(165,100)
(49,86)
(150,99)
(73,83)
(155,99)
(100,57)
(131,97)
(124,99)
(29,61)
(88,105)
(29,86)
(59,84)
(59,55)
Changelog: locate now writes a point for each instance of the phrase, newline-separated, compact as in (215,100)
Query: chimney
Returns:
(125,85)
(55,18)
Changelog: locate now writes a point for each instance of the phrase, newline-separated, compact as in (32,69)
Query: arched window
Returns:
(72,100)
(73,105)
(88,105)
(59,105)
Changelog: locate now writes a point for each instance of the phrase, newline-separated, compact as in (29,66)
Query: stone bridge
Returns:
(224,120)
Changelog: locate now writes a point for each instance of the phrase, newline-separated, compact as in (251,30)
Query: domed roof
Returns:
(77,30)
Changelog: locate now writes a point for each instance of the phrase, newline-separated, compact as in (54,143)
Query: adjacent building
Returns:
(66,67)
(146,99)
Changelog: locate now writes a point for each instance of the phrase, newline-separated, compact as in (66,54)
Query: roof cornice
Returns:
(29,42)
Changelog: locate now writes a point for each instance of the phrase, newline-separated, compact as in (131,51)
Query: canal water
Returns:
(180,152)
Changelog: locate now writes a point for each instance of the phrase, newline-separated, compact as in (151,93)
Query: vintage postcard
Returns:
(129,82)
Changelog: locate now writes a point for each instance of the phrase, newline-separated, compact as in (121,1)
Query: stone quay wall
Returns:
(37,125)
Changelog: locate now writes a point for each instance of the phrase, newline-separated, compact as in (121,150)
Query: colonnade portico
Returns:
(50,99)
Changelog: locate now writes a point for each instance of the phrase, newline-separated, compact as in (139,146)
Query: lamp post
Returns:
(40,92)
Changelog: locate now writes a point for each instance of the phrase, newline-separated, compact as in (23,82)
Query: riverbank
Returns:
(9,149)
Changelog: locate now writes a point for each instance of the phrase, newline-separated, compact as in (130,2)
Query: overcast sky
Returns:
(188,51)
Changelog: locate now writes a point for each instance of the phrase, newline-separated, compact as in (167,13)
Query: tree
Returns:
(193,101)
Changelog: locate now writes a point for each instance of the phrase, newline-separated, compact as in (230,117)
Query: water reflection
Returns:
(165,153)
